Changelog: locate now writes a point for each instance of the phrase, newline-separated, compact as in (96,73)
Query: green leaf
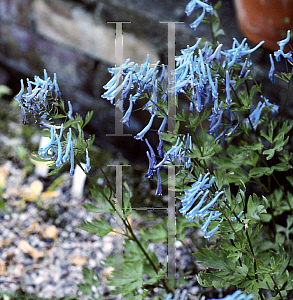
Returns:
(270,153)
(254,209)
(260,171)
(243,270)
(88,117)
(225,226)
(90,276)
(101,227)
(86,289)
(267,137)
(211,259)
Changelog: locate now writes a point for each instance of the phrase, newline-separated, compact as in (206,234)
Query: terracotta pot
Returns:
(264,20)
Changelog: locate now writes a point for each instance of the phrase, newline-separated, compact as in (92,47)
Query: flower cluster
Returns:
(201,210)
(278,55)
(35,101)
(177,152)
(195,73)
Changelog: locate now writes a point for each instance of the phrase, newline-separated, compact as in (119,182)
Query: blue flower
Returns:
(59,153)
(196,4)
(195,24)
(178,293)
(237,296)
(71,160)
(141,134)
(255,115)
(69,114)
(44,150)
(152,160)
(125,119)
(274,108)
(244,73)
(34,101)
(228,96)
(159,184)
(280,52)
(272,69)
(65,157)
(202,207)
(215,118)
(283,43)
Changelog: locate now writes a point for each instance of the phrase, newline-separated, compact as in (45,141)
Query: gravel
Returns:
(41,249)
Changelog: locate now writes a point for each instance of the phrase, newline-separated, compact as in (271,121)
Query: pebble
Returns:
(54,274)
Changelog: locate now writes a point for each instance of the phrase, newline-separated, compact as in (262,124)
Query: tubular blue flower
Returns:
(272,69)
(159,184)
(280,52)
(44,150)
(24,117)
(65,157)
(18,97)
(127,87)
(69,114)
(162,76)
(196,99)
(125,119)
(171,155)
(59,153)
(228,96)
(163,124)
(195,4)
(237,296)
(216,119)
(201,189)
(283,43)
(274,110)
(141,134)
(195,24)
(56,87)
(223,133)
(88,162)
(212,84)
(255,115)
(71,160)
(216,54)
(152,160)
(243,70)
(160,147)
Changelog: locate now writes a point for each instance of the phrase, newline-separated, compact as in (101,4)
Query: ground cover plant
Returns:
(229,154)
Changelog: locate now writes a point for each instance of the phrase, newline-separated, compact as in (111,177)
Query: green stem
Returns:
(126,223)
(252,255)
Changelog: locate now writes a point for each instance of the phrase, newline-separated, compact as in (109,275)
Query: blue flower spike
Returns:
(193,208)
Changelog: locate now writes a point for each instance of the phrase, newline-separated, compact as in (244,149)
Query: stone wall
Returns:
(73,39)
